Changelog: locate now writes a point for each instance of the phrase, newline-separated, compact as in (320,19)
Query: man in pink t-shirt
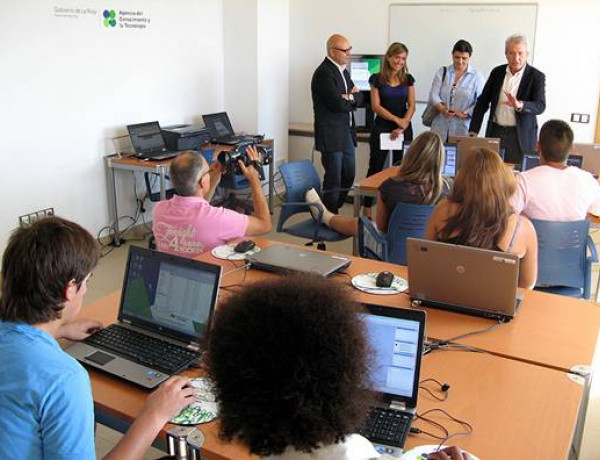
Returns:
(188,225)
(555,191)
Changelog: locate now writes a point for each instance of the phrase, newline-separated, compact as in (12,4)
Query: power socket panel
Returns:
(31,218)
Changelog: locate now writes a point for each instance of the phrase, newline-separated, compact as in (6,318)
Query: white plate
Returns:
(366,283)
(226,252)
(204,409)
(420,452)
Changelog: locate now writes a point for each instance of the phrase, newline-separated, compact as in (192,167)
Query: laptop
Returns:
(167,304)
(468,280)
(221,131)
(148,142)
(532,160)
(286,259)
(591,156)
(450,158)
(467,144)
(396,338)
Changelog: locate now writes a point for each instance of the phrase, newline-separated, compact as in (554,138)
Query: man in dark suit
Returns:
(516,94)
(335,98)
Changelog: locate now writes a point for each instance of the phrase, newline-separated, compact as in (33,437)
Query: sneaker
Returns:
(311,196)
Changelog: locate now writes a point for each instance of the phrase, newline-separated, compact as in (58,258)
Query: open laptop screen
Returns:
(146,137)
(397,346)
(218,124)
(169,293)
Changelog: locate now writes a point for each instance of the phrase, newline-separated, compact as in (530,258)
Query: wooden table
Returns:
(503,393)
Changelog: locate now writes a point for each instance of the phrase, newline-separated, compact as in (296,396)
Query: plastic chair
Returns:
(564,265)
(407,221)
(298,176)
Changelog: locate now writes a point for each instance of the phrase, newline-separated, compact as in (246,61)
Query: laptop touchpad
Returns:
(100,358)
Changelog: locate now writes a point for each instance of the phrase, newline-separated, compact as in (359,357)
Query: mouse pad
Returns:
(226,252)
(366,283)
(420,452)
(203,410)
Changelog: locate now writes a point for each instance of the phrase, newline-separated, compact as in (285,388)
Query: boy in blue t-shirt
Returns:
(46,405)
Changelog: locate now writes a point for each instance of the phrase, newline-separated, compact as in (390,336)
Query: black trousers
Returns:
(509,141)
(377,156)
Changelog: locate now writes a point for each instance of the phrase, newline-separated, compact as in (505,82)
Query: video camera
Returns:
(229,159)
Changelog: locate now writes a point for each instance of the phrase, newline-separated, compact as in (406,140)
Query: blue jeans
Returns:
(339,174)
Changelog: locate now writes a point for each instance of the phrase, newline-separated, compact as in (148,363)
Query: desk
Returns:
(161,168)
(503,394)
(308,130)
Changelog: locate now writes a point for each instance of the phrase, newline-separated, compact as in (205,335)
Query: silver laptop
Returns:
(466,145)
(164,317)
(469,280)
(285,259)
(591,157)
(396,338)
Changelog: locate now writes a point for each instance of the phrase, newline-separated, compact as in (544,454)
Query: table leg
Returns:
(356,202)
(163,185)
(271,183)
(112,185)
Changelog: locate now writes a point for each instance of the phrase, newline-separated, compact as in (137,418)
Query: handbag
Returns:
(431,110)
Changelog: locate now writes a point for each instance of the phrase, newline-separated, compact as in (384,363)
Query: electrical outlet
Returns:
(576,117)
(585,118)
(31,218)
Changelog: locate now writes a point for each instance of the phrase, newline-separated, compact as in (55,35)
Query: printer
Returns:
(185,137)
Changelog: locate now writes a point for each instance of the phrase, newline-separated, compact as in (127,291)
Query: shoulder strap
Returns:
(444,75)
(514,236)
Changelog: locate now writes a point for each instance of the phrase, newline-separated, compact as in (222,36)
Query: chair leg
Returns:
(321,246)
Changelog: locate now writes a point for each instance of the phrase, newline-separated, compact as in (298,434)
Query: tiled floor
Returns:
(108,277)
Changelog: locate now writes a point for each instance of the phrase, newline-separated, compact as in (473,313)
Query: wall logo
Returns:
(109,18)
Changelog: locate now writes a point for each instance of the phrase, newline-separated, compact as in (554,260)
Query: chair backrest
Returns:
(297,176)
(562,253)
(407,221)
(155,196)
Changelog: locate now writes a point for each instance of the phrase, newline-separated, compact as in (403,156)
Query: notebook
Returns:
(285,259)
(167,304)
(467,144)
(450,159)
(396,338)
(148,142)
(532,160)
(469,280)
(221,131)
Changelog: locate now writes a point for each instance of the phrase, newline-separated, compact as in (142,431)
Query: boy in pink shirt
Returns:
(188,225)
(555,191)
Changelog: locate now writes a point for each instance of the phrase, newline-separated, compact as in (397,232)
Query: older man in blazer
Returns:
(335,98)
(516,94)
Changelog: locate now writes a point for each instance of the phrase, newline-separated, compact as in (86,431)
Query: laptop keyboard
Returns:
(387,426)
(142,349)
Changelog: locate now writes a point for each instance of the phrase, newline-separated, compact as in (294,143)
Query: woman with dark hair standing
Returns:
(454,91)
(393,101)
(478,213)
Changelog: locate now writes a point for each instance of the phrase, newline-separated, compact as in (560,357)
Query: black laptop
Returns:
(221,131)
(166,309)
(148,142)
(532,160)
(396,338)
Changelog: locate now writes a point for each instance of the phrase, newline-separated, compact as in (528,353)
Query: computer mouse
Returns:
(384,279)
(244,246)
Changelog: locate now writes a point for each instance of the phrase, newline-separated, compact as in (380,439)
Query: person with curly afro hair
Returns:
(289,358)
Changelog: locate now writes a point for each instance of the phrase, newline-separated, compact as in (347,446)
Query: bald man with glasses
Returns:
(187,224)
(335,97)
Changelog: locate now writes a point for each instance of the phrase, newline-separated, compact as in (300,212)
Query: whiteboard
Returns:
(430,30)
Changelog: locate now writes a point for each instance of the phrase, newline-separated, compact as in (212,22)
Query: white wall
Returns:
(69,84)
(567,50)
(256,68)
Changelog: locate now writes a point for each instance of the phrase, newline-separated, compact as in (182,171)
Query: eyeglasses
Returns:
(341,50)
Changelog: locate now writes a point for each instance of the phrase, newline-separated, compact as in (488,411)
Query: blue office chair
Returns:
(407,221)
(298,176)
(564,265)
